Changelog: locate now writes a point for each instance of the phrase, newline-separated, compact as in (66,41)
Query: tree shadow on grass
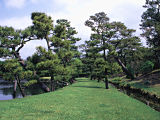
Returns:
(83,81)
(88,86)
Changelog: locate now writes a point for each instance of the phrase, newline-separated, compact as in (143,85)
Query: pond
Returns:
(6,90)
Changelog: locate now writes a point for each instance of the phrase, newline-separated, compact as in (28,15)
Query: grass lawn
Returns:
(154,89)
(84,100)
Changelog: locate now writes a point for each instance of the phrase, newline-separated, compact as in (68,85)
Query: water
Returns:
(6,90)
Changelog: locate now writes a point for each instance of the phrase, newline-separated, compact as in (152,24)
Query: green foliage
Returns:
(12,41)
(147,67)
(1,67)
(99,69)
(13,70)
(115,68)
(132,71)
(116,79)
(77,67)
(150,19)
(30,66)
(151,27)
(42,24)
(112,39)
(30,82)
(54,61)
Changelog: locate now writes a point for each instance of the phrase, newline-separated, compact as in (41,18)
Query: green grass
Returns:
(84,100)
(153,89)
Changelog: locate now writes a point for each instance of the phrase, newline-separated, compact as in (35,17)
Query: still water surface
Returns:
(6,90)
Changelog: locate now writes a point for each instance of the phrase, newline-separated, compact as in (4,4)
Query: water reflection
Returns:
(6,90)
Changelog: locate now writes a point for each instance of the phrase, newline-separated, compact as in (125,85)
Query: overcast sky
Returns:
(17,13)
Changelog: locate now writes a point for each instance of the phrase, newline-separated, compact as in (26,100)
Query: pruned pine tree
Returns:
(91,53)
(14,72)
(110,35)
(42,27)
(12,41)
(64,45)
(50,64)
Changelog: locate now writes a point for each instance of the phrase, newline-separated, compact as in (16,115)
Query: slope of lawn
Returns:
(149,82)
(84,100)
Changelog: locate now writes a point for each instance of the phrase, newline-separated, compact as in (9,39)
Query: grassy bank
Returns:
(146,83)
(84,100)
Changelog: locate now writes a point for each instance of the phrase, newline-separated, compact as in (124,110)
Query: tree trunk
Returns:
(52,83)
(72,80)
(106,83)
(99,79)
(128,73)
(48,45)
(158,59)
(22,62)
(43,87)
(20,87)
(14,90)
(106,79)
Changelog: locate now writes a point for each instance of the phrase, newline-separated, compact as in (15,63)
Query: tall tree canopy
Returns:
(42,26)
(151,25)
(113,37)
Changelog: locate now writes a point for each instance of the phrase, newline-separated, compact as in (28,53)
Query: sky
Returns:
(17,13)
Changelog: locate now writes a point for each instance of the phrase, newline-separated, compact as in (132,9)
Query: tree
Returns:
(12,70)
(110,35)
(98,24)
(49,63)
(90,54)
(58,60)
(42,26)
(12,41)
(151,26)
(99,68)
(64,45)
(126,47)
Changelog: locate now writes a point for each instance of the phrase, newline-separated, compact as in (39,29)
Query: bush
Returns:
(147,67)
(131,70)
(116,79)
(29,83)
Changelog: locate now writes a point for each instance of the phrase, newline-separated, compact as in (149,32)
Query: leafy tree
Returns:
(52,68)
(76,70)
(64,45)
(13,71)
(98,24)
(90,54)
(99,68)
(59,61)
(147,67)
(151,26)
(42,26)
(112,36)
(12,41)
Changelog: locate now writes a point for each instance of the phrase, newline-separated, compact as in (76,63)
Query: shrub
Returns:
(117,79)
(131,70)
(147,67)
(29,83)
